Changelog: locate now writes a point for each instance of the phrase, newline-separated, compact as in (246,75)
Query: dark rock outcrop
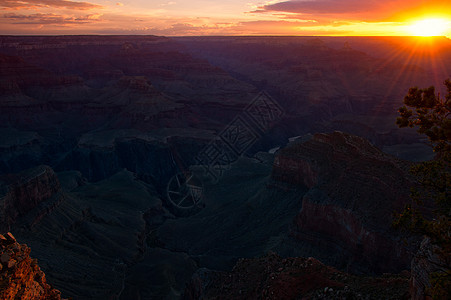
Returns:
(20,275)
(32,193)
(20,149)
(153,157)
(272,277)
(354,191)
(428,260)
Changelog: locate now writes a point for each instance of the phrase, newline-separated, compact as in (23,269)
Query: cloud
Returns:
(51,19)
(33,4)
(262,27)
(168,3)
(358,9)
(322,6)
(182,27)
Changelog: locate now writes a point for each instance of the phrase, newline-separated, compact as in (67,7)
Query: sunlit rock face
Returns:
(354,190)
(20,275)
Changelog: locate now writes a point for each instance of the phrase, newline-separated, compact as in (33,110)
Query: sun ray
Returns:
(397,77)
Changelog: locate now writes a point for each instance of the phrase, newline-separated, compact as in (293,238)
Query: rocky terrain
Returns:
(123,224)
(430,261)
(93,130)
(354,188)
(20,275)
(274,277)
(60,88)
(28,196)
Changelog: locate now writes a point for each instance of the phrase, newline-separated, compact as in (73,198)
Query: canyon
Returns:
(93,128)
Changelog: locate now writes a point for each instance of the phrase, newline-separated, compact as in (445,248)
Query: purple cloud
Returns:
(322,6)
(29,4)
(46,19)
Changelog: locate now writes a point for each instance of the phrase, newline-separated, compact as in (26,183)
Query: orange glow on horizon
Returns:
(430,27)
(232,17)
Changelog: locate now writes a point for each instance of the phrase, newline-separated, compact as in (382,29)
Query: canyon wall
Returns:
(354,190)
(31,194)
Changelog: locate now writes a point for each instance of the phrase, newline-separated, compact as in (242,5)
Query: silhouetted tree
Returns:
(430,113)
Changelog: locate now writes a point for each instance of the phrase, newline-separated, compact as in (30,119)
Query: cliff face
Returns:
(19,149)
(343,230)
(32,192)
(20,275)
(354,190)
(16,74)
(427,260)
(100,155)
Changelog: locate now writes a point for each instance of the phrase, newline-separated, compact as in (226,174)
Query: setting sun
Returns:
(429,27)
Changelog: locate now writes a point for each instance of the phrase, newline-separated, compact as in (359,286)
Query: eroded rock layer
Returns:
(20,275)
(354,189)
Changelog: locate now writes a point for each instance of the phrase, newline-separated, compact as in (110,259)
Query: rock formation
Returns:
(354,188)
(31,193)
(119,116)
(20,275)
(428,260)
(273,277)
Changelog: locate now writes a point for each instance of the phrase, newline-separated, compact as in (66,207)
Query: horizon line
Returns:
(208,36)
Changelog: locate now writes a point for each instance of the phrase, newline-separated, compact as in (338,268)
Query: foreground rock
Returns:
(20,275)
(272,277)
(430,260)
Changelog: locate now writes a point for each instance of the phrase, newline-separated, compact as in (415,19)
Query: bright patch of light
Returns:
(430,27)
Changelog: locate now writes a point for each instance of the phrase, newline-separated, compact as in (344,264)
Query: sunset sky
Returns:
(226,17)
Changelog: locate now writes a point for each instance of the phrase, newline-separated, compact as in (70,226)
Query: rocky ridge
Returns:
(90,87)
(20,275)
(31,194)
(354,188)
(274,277)
(310,217)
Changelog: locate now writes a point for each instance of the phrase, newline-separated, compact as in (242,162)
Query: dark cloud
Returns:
(32,4)
(47,19)
(322,6)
